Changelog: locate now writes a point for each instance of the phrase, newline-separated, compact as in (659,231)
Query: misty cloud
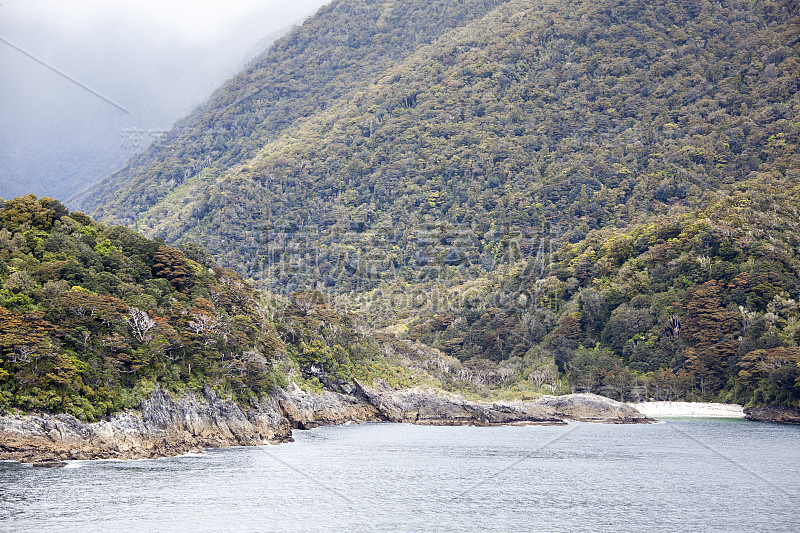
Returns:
(156,60)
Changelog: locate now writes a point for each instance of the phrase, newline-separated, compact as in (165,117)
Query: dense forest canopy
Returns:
(591,195)
(547,120)
(93,317)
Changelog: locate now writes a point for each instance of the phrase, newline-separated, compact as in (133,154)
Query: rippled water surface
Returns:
(679,475)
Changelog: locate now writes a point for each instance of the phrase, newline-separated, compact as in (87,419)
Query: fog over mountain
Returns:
(87,84)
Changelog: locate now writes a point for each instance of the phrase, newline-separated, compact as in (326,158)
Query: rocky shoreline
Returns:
(165,426)
(766,413)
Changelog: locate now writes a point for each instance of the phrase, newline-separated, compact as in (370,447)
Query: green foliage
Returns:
(86,329)
(544,122)
(28,212)
(611,183)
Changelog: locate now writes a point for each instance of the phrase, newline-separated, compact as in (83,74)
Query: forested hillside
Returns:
(321,64)
(93,317)
(601,189)
(697,305)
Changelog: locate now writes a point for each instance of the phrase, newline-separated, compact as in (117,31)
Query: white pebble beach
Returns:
(689,409)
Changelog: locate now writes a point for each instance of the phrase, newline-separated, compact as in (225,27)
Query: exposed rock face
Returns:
(305,411)
(763,413)
(165,426)
(436,407)
(439,408)
(592,408)
(162,427)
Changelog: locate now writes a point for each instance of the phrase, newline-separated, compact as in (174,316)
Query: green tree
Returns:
(710,333)
(171,264)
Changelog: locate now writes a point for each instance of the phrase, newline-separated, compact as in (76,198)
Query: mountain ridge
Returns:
(266,181)
(335,39)
(512,179)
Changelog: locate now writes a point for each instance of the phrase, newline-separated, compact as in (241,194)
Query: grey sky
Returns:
(155,59)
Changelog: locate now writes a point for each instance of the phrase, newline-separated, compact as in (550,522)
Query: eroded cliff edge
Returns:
(166,426)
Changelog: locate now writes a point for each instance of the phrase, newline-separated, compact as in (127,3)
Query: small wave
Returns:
(189,454)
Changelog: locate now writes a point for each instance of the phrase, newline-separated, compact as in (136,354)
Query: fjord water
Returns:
(678,475)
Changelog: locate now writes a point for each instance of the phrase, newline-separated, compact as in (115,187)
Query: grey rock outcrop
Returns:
(438,408)
(162,427)
(591,408)
(766,413)
(166,426)
(309,410)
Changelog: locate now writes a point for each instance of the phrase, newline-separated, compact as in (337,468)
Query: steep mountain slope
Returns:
(563,116)
(525,183)
(323,62)
(698,305)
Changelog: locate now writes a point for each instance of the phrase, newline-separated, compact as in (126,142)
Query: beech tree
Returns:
(172,264)
(709,329)
(27,209)
(19,334)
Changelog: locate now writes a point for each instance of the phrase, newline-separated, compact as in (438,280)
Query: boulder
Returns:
(591,408)
(765,413)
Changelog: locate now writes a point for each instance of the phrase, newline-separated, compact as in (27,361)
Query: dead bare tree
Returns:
(141,323)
